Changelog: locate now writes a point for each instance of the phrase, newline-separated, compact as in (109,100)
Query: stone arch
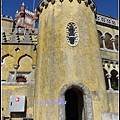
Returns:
(108,33)
(22,57)
(100,31)
(114,79)
(116,42)
(108,42)
(100,39)
(22,62)
(106,79)
(7,62)
(87,99)
(4,56)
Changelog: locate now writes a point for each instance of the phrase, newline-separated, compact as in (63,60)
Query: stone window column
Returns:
(118,80)
(103,63)
(113,43)
(15,72)
(33,72)
(103,41)
(114,64)
(109,82)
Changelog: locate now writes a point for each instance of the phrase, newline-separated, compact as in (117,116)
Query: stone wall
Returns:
(12,89)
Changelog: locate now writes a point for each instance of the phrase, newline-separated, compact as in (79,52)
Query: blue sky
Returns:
(106,7)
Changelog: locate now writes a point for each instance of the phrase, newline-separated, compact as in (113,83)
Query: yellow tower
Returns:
(67,71)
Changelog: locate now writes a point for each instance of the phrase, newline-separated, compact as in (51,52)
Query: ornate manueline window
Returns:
(20,76)
(72,34)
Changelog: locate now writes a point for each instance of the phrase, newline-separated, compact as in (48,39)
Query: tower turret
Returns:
(16,14)
(25,19)
(22,10)
(35,15)
(68,82)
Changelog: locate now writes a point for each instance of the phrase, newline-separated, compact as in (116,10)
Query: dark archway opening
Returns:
(108,42)
(114,80)
(100,39)
(117,42)
(74,105)
(106,79)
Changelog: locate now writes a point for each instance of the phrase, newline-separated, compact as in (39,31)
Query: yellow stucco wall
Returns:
(18,90)
(25,57)
(7,26)
(113,103)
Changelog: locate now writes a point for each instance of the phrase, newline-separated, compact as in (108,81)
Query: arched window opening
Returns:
(108,42)
(21,79)
(116,42)
(114,80)
(106,80)
(74,105)
(100,39)
(3,61)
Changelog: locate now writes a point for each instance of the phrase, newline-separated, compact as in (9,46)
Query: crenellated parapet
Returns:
(45,3)
(5,17)
(26,38)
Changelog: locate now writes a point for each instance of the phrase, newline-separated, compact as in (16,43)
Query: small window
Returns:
(3,61)
(72,34)
(21,79)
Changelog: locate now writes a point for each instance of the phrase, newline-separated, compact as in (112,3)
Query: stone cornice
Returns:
(114,62)
(107,21)
(44,3)
(29,13)
(110,60)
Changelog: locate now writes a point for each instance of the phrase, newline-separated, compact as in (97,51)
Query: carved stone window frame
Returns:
(26,74)
(76,33)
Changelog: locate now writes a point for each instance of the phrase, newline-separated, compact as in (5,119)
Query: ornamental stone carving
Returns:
(75,35)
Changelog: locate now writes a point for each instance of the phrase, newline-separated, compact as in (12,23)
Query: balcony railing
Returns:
(107,20)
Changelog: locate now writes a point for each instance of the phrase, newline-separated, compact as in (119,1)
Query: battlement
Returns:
(24,37)
(28,12)
(45,3)
(6,17)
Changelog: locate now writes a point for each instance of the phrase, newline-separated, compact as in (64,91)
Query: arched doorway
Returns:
(82,98)
(74,105)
